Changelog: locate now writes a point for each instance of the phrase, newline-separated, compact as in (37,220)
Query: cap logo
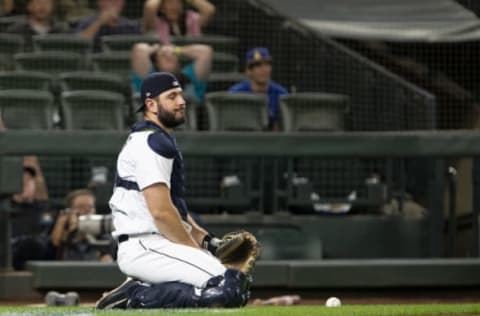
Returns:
(148,94)
(175,83)
(257,55)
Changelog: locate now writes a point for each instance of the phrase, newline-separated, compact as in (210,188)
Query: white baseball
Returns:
(333,302)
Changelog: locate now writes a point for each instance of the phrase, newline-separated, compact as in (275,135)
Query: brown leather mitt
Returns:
(238,250)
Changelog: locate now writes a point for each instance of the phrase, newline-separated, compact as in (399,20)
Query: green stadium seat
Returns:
(27,109)
(221,62)
(219,43)
(311,111)
(7,21)
(92,110)
(62,43)
(92,80)
(114,62)
(95,80)
(10,44)
(225,62)
(50,62)
(222,81)
(236,111)
(88,80)
(31,80)
(115,43)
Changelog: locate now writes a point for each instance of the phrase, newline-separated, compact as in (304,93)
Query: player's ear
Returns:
(150,105)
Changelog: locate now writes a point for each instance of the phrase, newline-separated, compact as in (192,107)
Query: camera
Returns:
(95,224)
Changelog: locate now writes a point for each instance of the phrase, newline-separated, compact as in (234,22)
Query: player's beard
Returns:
(168,119)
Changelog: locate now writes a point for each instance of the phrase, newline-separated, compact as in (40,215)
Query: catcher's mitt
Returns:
(238,250)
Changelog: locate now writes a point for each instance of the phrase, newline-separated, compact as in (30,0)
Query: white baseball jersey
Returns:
(149,156)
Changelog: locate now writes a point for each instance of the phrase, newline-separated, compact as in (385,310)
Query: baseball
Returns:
(333,302)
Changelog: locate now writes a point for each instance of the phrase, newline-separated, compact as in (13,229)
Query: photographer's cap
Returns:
(155,84)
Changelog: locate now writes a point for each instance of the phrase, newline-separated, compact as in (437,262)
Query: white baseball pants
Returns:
(155,259)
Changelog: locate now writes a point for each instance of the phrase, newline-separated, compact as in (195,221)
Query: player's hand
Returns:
(211,243)
(72,221)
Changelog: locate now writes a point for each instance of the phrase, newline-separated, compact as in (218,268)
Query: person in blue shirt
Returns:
(259,73)
(147,59)
(106,21)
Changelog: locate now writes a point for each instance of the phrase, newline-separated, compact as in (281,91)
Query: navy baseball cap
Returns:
(257,54)
(155,84)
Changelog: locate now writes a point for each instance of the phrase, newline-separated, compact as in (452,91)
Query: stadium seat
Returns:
(62,43)
(7,21)
(125,42)
(88,80)
(222,81)
(114,62)
(236,111)
(224,62)
(25,80)
(92,109)
(26,109)
(10,44)
(311,111)
(92,80)
(50,62)
(219,43)
(221,62)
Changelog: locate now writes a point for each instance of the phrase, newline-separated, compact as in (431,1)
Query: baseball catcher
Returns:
(170,261)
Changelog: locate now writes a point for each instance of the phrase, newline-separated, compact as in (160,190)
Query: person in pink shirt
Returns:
(172,17)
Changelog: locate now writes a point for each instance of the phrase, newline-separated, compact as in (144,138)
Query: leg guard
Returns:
(228,290)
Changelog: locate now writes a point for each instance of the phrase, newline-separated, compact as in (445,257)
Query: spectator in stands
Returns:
(30,218)
(40,21)
(107,21)
(31,204)
(68,242)
(259,72)
(34,188)
(171,17)
(151,58)
(12,7)
(72,10)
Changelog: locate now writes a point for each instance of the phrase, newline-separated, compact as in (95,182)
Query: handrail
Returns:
(228,144)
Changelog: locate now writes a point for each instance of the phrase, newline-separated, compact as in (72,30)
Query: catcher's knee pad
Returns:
(228,290)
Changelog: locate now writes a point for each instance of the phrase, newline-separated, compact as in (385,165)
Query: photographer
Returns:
(70,244)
